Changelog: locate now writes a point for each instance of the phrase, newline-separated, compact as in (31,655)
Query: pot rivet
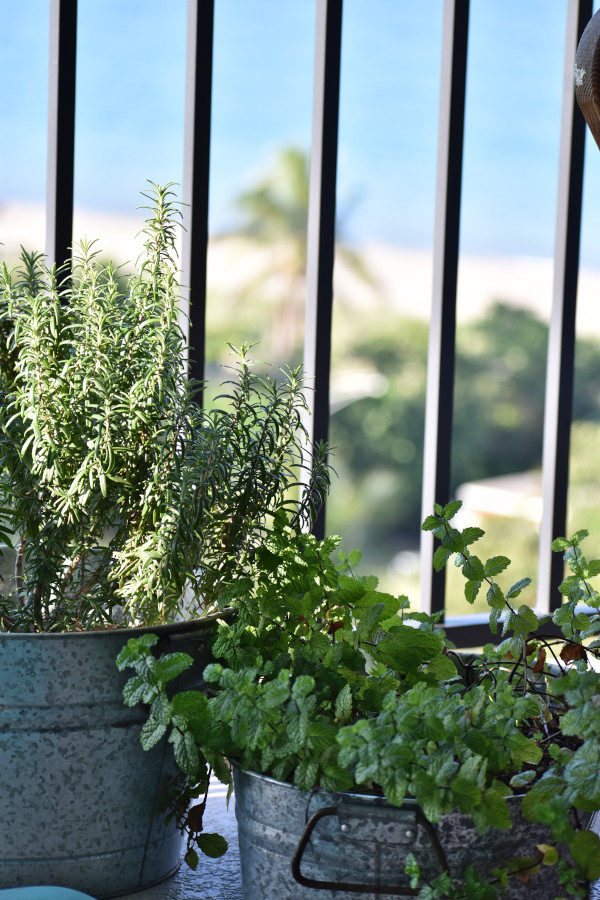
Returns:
(344,827)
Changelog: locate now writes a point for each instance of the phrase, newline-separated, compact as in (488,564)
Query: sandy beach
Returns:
(402,277)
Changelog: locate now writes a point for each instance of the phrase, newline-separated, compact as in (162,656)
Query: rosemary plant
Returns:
(120,493)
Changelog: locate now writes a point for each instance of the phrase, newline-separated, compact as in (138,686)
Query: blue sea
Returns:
(130,103)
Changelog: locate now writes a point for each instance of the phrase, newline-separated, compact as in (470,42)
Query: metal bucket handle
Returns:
(395,890)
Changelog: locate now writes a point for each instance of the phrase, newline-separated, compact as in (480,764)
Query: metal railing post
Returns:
(561,338)
(321,222)
(196,174)
(442,328)
(61,132)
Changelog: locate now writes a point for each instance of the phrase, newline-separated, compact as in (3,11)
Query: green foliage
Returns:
(211,844)
(123,493)
(498,418)
(327,682)
(585,848)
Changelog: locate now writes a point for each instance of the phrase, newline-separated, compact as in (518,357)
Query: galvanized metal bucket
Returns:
(78,792)
(339,846)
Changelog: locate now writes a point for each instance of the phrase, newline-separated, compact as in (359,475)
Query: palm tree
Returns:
(275,213)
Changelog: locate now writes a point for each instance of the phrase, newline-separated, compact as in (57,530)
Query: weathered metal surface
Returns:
(79,793)
(367,843)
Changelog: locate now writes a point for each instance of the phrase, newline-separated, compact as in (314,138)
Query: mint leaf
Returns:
(496,809)
(451,509)
(305,776)
(407,648)
(453,541)
(585,850)
(523,750)
(343,704)
(152,732)
(471,534)
(185,751)
(302,687)
(495,597)
(517,587)
(441,667)
(354,558)
(396,787)
(192,859)
(471,590)
(524,621)
(134,649)
(430,523)
(593,567)
(161,710)
(473,569)
(213,672)
(440,558)
(213,845)
(190,705)
(549,854)
(172,665)
(496,564)
(139,690)
(494,619)
(466,792)
(413,869)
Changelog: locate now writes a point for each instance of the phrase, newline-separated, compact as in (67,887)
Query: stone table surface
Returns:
(214,879)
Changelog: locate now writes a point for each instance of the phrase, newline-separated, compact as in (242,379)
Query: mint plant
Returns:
(119,492)
(324,681)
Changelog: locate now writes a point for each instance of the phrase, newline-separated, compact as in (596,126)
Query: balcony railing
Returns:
(321,247)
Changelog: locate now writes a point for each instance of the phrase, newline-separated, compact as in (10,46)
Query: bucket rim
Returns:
(204,623)
(374,800)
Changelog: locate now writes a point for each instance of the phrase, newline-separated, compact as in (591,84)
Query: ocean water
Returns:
(130,104)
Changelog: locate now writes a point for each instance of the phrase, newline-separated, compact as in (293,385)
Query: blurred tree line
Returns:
(498,414)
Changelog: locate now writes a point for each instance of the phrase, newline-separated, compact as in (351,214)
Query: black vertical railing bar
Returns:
(561,339)
(442,328)
(321,222)
(196,173)
(61,132)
